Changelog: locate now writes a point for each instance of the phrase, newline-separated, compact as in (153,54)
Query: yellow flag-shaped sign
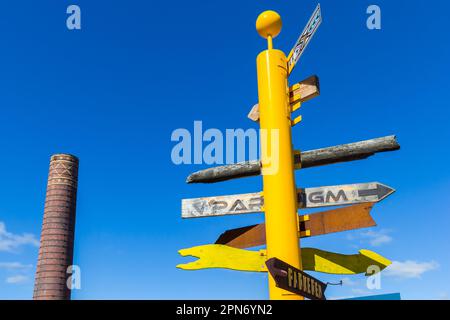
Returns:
(221,256)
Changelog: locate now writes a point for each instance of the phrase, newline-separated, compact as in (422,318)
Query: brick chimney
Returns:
(58,227)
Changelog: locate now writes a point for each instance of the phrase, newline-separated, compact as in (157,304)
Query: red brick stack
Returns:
(57,237)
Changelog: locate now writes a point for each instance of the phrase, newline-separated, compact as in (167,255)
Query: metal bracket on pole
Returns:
(296,106)
(296,121)
(302,231)
(297,159)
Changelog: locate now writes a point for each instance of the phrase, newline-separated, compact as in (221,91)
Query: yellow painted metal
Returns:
(296,106)
(298,119)
(293,99)
(336,263)
(221,256)
(303,218)
(304,234)
(280,197)
(293,87)
(269,42)
(268,24)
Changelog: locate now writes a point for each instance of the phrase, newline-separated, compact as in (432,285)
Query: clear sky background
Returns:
(113,92)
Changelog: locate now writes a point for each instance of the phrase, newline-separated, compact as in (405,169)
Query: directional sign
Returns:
(302,160)
(220,256)
(305,37)
(337,263)
(305,90)
(222,205)
(296,281)
(337,220)
(343,194)
(307,198)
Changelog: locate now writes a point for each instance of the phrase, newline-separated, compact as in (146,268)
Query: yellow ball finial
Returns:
(268,24)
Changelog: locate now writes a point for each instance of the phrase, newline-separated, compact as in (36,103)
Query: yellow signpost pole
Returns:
(280,203)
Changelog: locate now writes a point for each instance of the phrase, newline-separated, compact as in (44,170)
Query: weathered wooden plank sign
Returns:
(221,205)
(307,198)
(296,281)
(304,39)
(305,90)
(342,194)
(320,223)
(306,159)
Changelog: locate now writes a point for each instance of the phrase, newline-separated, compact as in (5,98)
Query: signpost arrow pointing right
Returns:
(343,194)
(307,198)
(310,28)
(381,191)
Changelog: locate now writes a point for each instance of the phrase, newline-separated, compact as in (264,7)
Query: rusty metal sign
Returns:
(320,223)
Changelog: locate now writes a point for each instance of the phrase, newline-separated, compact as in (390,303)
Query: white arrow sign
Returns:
(343,194)
(307,198)
(310,28)
(221,205)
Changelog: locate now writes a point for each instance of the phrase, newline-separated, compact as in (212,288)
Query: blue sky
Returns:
(113,92)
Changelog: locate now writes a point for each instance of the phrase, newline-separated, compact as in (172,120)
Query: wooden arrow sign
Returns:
(305,90)
(343,194)
(294,280)
(307,198)
(337,220)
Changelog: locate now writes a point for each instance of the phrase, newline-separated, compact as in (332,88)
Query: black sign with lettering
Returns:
(296,281)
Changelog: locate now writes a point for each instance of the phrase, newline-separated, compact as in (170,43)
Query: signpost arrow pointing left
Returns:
(319,223)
